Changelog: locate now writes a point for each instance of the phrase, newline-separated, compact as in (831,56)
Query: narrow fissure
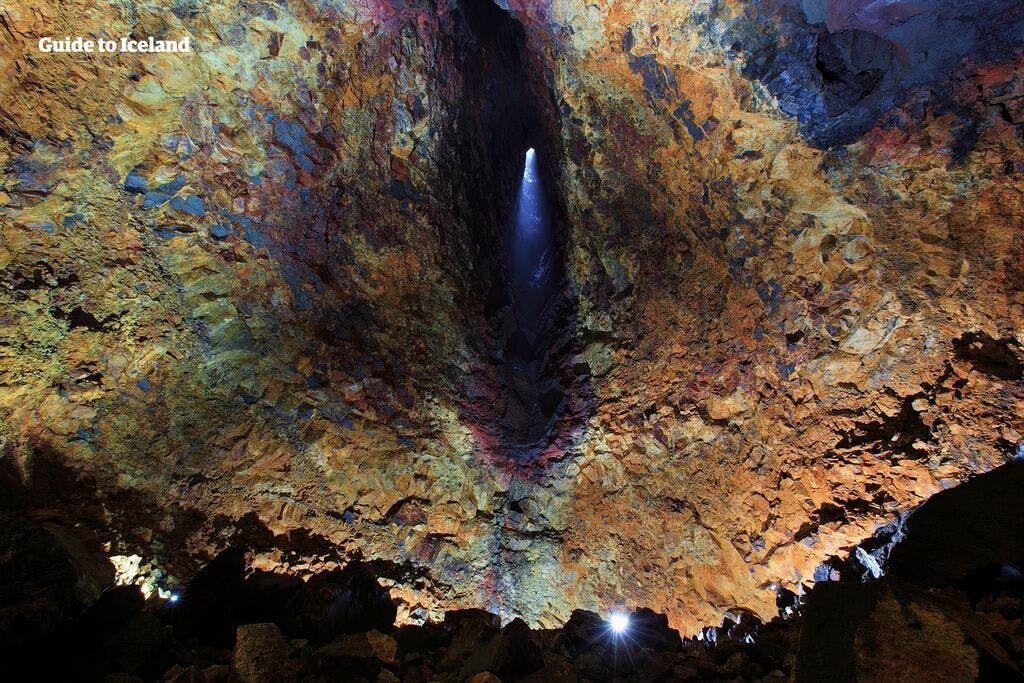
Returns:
(508,134)
(529,376)
(522,398)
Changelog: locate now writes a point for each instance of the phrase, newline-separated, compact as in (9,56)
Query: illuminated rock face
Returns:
(260,293)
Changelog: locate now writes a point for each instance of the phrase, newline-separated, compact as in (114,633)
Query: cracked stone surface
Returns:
(254,294)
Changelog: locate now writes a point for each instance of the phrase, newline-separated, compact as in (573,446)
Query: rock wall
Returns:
(792,341)
(253,293)
(244,283)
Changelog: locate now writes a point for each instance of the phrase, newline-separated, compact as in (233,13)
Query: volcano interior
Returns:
(530,305)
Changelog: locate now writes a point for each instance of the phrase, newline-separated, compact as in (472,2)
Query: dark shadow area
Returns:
(996,357)
(950,607)
(952,599)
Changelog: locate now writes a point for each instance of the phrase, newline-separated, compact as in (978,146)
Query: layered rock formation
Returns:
(257,294)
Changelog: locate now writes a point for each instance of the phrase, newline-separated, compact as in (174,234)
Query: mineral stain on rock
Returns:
(300,311)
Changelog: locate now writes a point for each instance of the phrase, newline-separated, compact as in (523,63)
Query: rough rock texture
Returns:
(962,621)
(789,345)
(255,295)
(260,654)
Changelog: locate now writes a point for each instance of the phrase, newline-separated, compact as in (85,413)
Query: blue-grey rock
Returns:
(293,136)
(136,183)
(155,199)
(253,237)
(174,186)
(837,74)
(190,204)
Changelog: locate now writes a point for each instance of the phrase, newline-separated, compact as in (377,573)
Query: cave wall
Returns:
(252,294)
(777,308)
(242,285)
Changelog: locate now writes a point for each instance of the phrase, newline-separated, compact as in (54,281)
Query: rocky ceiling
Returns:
(258,294)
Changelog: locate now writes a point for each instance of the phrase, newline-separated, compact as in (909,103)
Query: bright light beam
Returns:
(619,623)
(532,244)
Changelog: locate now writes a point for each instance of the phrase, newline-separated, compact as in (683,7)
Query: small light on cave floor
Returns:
(619,623)
(173,598)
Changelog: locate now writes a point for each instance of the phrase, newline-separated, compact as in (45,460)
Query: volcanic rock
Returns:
(260,316)
(260,654)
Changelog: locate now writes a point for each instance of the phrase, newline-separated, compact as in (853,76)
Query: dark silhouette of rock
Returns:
(223,596)
(510,654)
(950,606)
(961,532)
(37,590)
(650,630)
(349,600)
(212,605)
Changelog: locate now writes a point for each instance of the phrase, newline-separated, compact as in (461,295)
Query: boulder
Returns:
(261,654)
(510,654)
